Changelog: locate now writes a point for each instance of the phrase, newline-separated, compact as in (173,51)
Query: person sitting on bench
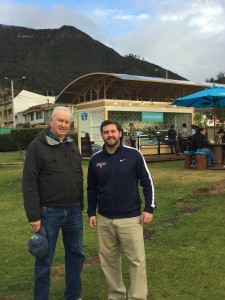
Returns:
(201,142)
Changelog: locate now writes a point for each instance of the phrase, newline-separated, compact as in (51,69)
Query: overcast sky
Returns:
(184,36)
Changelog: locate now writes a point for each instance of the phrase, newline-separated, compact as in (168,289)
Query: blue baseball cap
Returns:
(38,243)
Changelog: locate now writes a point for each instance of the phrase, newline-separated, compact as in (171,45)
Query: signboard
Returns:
(84,116)
(152,117)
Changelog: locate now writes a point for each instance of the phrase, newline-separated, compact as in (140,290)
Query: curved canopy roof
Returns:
(97,86)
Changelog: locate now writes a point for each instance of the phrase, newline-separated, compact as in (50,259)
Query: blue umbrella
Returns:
(209,97)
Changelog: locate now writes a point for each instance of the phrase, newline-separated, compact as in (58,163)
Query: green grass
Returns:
(185,255)
(10,157)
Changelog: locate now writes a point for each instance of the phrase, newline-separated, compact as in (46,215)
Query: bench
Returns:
(200,160)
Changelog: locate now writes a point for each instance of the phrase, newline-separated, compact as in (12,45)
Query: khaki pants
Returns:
(125,234)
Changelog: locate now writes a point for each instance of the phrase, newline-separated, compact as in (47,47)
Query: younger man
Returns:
(113,177)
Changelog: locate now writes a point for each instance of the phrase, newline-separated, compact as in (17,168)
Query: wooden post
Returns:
(187,161)
(201,161)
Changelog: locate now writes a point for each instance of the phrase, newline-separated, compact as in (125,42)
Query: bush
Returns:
(7,143)
(23,137)
(19,139)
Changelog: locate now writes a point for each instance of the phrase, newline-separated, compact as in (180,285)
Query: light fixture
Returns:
(115,102)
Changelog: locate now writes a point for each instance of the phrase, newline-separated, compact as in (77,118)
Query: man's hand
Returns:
(93,221)
(36,225)
(146,217)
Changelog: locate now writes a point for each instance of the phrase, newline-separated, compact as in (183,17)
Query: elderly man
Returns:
(53,198)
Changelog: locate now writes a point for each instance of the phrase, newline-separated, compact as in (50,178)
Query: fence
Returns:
(5,130)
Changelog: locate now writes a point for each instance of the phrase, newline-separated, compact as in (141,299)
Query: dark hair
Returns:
(184,125)
(197,129)
(220,131)
(109,122)
(201,129)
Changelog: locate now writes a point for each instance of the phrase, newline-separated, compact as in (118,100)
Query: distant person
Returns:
(172,139)
(202,143)
(192,148)
(220,137)
(121,138)
(132,135)
(192,144)
(114,175)
(193,129)
(184,135)
(53,197)
(166,126)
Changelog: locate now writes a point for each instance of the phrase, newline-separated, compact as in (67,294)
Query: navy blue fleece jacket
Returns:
(113,181)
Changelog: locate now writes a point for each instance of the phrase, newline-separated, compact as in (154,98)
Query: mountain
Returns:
(51,58)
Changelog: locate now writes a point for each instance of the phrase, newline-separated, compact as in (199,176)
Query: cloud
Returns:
(132,17)
(186,37)
(39,17)
(116,14)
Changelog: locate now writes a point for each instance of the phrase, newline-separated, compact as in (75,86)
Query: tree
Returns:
(217,112)
(201,119)
(204,115)
(220,78)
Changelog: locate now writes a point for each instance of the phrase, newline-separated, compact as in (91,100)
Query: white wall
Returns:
(26,99)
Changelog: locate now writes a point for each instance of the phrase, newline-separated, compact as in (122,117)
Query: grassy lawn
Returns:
(10,157)
(185,245)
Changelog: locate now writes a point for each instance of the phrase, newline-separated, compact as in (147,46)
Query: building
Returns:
(144,101)
(38,116)
(9,112)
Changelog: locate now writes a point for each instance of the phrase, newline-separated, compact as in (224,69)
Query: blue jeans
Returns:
(69,219)
(209,156)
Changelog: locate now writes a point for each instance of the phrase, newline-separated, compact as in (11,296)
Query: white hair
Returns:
(58,108)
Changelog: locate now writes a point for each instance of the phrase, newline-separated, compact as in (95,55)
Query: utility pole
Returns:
(166,72)
(12,97)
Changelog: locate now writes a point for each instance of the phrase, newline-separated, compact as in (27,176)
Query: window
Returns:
(39,115)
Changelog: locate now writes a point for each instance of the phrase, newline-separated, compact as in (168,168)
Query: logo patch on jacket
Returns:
(100,164)
(121,160)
